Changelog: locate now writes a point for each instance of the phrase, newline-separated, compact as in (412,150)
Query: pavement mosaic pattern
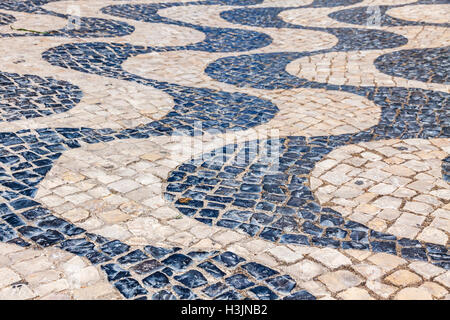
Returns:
(224,149)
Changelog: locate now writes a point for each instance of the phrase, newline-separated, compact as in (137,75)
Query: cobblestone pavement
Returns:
(224,149)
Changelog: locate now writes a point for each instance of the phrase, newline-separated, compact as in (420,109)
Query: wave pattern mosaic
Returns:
(322,171)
